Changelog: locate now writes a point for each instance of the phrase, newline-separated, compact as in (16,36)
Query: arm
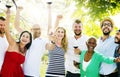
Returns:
(77,51)
(10,40)
(49,19)
(51,44)
(17,20)
(59,17)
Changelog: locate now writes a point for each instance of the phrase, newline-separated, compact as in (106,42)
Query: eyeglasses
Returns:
(108,24)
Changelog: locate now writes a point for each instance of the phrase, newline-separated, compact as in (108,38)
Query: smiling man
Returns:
(106,46)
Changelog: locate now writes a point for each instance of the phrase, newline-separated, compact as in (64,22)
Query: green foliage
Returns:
(99,8)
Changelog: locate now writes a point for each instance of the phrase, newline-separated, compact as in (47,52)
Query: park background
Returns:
(90,12)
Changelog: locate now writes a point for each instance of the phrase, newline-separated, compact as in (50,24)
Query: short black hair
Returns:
(2,18)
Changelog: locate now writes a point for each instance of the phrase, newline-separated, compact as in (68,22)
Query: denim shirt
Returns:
(117,55)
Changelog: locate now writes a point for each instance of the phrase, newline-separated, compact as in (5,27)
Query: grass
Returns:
(43,68)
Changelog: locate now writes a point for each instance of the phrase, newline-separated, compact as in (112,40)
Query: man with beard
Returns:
(3,41)
(106,46)
(75,43)
(117,50)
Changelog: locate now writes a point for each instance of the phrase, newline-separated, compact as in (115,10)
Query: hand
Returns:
(117,59)
(76,64)
(77,51)
(59,17)
(19,8)
(52,38)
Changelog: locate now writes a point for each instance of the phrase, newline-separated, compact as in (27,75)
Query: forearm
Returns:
(17,22)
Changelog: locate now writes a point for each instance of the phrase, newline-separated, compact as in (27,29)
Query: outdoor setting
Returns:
(47,36)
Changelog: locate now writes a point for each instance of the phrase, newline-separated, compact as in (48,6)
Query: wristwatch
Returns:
(52,42)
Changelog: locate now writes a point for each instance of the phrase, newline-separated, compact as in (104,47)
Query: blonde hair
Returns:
(64,40)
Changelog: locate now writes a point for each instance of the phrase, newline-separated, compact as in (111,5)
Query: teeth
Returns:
(91,47)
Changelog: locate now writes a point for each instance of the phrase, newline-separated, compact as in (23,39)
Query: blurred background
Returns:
(90,12)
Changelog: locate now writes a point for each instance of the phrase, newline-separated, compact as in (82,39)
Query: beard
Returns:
(77,34)
(1,32)
(106,33)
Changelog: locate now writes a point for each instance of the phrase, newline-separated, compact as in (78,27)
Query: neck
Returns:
(76,37)
(105,37)
(59,43)
(90,51)
(21,45)
(22,48)
(1,35)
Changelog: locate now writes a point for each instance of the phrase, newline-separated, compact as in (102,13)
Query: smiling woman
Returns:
(15,53)
(92,59)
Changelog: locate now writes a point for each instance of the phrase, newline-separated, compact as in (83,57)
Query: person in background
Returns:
(75,43)
(36,51)
(117,50)
(106,46)
(3,40)
(91,60)
(15,53)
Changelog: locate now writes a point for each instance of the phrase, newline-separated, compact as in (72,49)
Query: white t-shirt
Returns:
(31,66)
(3,48)
(71,56)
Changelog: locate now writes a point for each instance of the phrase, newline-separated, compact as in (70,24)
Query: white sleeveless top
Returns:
(85,64)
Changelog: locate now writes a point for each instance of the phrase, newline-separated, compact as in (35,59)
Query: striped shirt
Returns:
(56,62)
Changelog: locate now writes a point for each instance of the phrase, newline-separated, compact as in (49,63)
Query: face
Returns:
(91,44)
(77,28)
(60,33)
(36,31)
(106,27)
(117,37)
(2,26)
(25,38)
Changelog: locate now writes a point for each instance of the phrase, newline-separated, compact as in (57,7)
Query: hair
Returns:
(64,40)
(107,19)
(29,44)
(77,21)
(2,18)
(92,37)
(118,30)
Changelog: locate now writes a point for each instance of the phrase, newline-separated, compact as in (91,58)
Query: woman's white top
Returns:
(85,64)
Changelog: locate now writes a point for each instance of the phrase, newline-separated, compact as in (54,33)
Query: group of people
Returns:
(77,56)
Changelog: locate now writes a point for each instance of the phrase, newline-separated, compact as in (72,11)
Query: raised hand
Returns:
(59,17)
(19,8)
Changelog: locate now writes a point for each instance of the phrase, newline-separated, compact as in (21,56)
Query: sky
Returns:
(36,12)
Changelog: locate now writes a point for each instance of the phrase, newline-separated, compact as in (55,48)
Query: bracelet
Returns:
(52,42)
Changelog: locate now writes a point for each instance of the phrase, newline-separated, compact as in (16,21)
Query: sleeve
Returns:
(108,60)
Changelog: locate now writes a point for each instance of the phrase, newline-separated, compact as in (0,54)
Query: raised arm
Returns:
(10,39)
(49,19)
(58,18)
(17,20)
